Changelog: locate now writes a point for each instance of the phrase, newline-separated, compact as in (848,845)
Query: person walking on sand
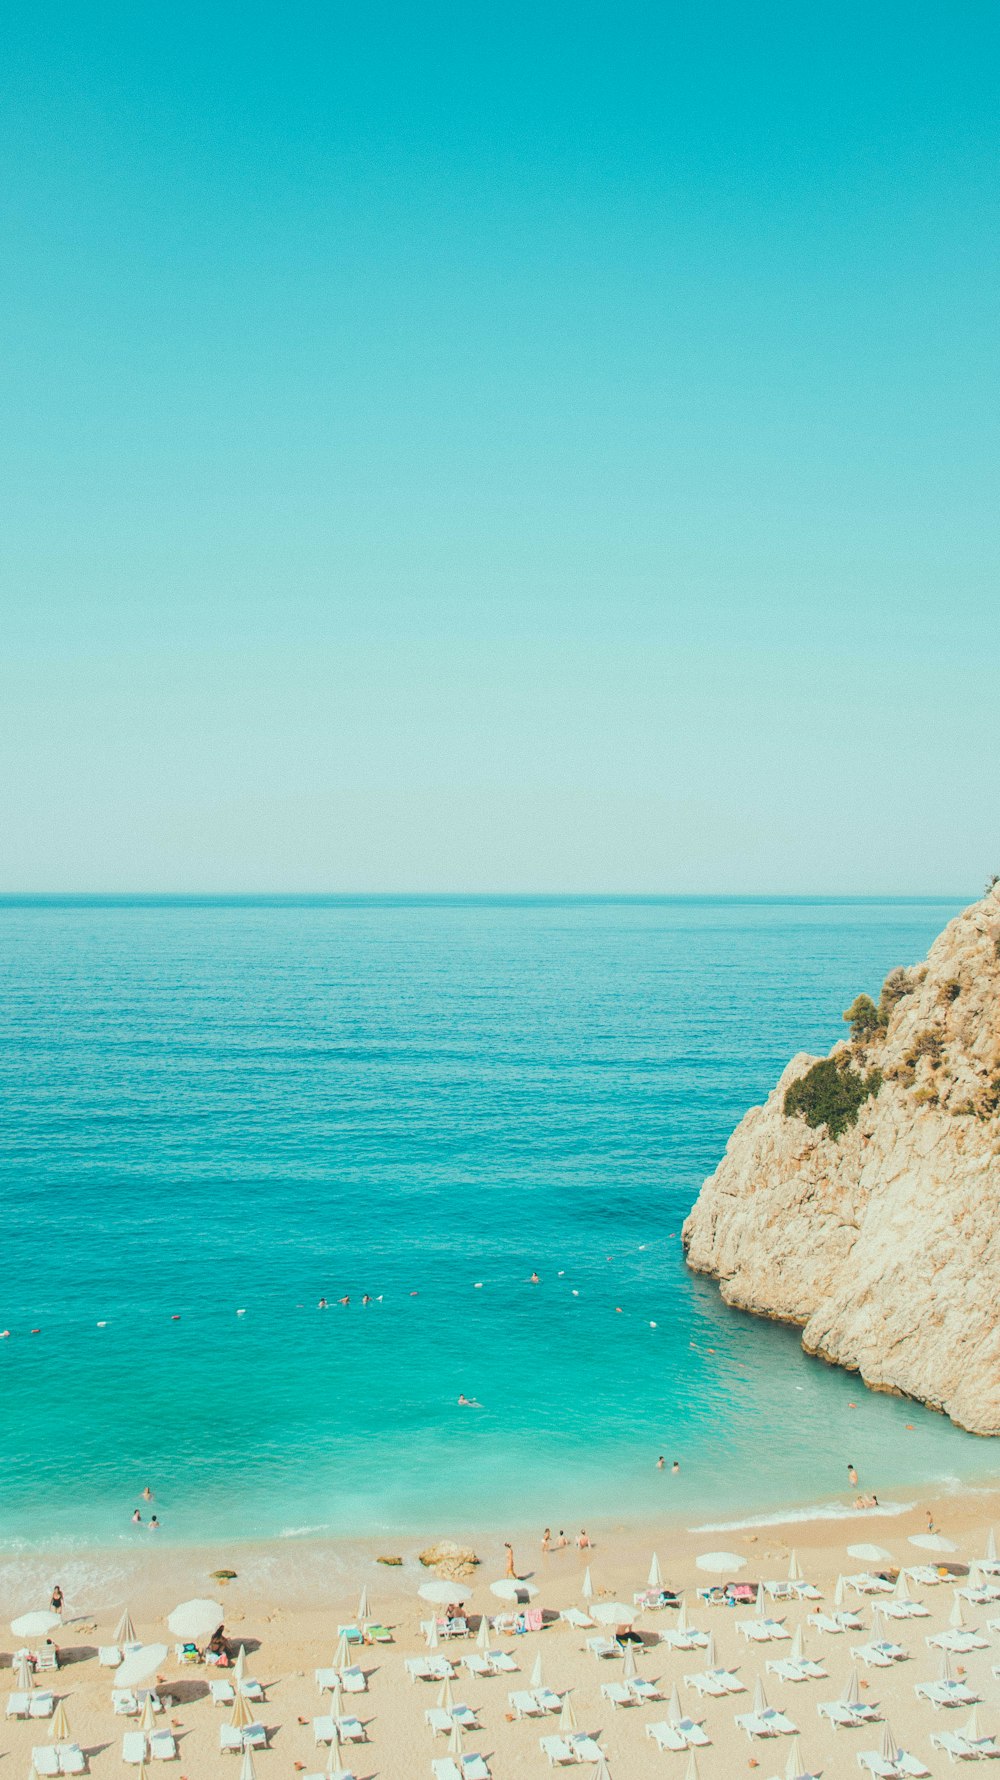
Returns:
(56,1603)
(509,1569)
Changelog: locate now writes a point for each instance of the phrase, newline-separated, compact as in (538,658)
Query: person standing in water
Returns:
(852,1477)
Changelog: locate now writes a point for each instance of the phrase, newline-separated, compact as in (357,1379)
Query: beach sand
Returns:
(289,1596)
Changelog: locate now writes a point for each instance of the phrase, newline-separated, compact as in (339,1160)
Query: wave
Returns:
(820,1511)
(303,1532)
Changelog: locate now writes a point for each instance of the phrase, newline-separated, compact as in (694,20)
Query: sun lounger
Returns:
(429,1668)
(501,1662)
(124,1702)
(341,1774)
(689,1640)
(222,1693)
(187,1653)
(42,1704)
(945,1693)
(479,1666)
(45,1760)
(642,1690)
(617,1694)
(352,1633)
(446,1769)
(525,1705)
(324,1729)
(960,1748)
(466,1717)
(694,1736)
(754,1630)
(867,1582)
(162,1746)
(458,1627)
(878,1656)
(230,1738)
(134,1748)
(807,1591)
(256,1736)
(835,1622)
(18,1705)
(109,1656)
(925,1575)
(603,1647)
(962,1641)
(546,1699)
(877,1765)
(584,1747)
(47,1657)
(780,1591)
(250,1689)
(351,1730)
(904,1609)
(980,1594)
(756,1725)
(779,1721)
(557,1750)
(666,1736)
(354,1680)
(377,1634)
(788,1670)
(439,1720)
(473,1767)
(844,1717)
(575,1617)
(71,1758)
(715,1682)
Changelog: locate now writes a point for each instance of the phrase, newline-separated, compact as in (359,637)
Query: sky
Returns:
(544,448)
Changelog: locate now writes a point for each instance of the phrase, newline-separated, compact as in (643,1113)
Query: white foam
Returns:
(303,1532)
(820,1511)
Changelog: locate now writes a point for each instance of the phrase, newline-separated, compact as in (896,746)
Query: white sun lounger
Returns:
(501,1662)
(788,1670)
(18,1705)
(603,1647)
(546,1699)
(525,1705)
(905,1609)
(557,1750)
(42,1704)
(689,1640)
(877,1765)
(429,1668)
(754,1630)
(959,1748)
(575,1617)
(45,1760)
(354,1679)
(694,1736)
(478,1666)
(124,1703)
(836,1622)
(351,1730)
(961,1641)
(716,1682)
(71,1758)
(775,1723)
(880,1655)
(925,1575)
(780,1591)
(162,1746)
(440,1721)
(472,1767)
(222,1693)
(866,1582)
(250,1689)
(109,1656)
(642,1690)
(134,1748)
(584,1746)
(945,1693)
(324,1729)
(843,1717)
(666,1736)
(617,1694)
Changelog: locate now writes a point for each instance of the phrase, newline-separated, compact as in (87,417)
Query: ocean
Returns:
(217,1113)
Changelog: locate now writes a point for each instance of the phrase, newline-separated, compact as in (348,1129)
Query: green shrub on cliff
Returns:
(863,1018)
(831,1093)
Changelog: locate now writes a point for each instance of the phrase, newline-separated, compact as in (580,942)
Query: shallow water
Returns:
(213,1108)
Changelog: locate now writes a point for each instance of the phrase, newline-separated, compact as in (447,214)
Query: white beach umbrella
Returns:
(483,1634)
(509,1588)
(851,1695)
(869,1554)
(878,1623)
(536,1673)
(794,1568)
(947,1668)
(456,1745)
(932,1542)
(336,1700)
(675,1711)
(719,1563)
(793,1765)
(24,1679)
(691,1771)
(247,1770)
(431,1634)
(710,1658)
(682,1616)
(628,1666)
(59,1729)
(241,1715)
(888,1746)
(195,1619)
(839,1592)
(759,1698)
(34,1625)
(125,1632)
(139,1664)
(587,1589)
(364,1609)
(240,1665)
(795,1654)
(446,1698)
(444,1592)
(147,1717)
(613,1613)
(902,1588)
(342,1654)
(602,1771)
(970,1730)
(759,1601)
(991,1547)
(654,1579)
(567,1716)
(333,1759)
(956,1617)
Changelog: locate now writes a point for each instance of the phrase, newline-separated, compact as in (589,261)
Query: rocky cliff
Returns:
(863,1200)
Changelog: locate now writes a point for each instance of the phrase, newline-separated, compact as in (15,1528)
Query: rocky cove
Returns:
(862,1201)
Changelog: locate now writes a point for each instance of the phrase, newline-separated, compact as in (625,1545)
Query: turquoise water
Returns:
(215,1107)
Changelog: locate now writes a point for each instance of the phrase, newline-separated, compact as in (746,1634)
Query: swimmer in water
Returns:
(147,1494)
(343,1300)
(661,1461)
(546,1538)
(322,1305)
(468,1402)
(534,1280)
(137,1519)
(852,1477)
(154,1525)
(675,1467)
(366,1299)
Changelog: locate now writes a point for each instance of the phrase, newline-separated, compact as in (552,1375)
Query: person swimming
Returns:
(137,1519)
(468,1402)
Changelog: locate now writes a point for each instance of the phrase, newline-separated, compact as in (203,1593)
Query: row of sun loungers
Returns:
(140,1746)
(58,1758)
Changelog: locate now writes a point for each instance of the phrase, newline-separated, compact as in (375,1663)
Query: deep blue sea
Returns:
(216,1113)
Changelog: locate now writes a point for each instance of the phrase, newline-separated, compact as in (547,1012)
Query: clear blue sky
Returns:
(499,447)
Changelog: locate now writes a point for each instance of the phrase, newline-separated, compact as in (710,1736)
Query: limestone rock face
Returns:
(885,1244)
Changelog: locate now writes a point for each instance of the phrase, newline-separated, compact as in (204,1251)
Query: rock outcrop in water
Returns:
(865,1203)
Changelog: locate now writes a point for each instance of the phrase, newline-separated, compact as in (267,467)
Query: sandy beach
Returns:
(288,1599)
